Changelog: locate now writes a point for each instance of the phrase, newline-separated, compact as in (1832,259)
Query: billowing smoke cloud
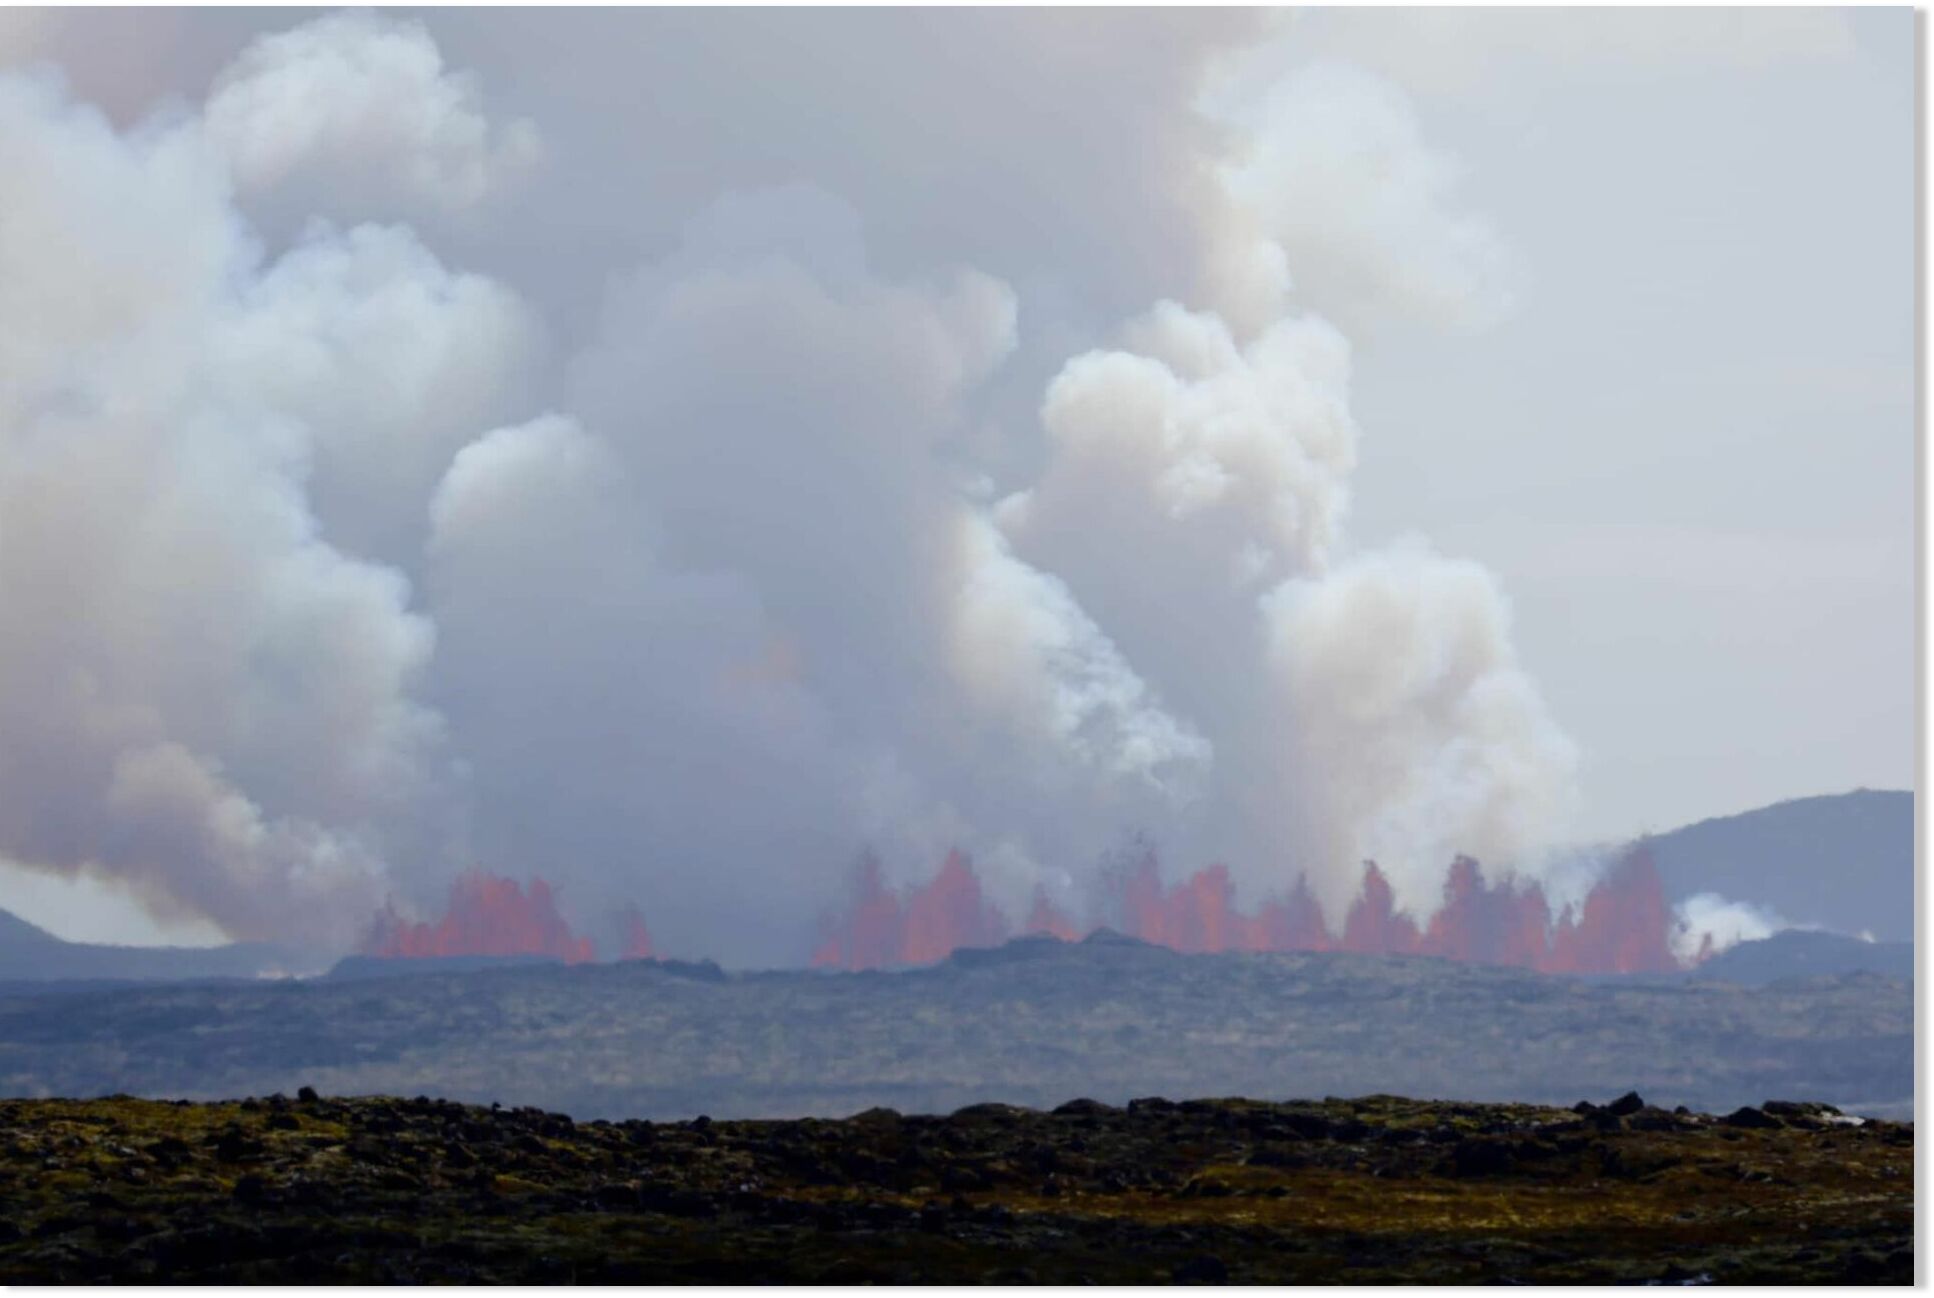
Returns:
(204,692)
(1409,725)
(1706,924)
(361,101)
(781,413)
(1363,705)
(1333,197)
(321,585)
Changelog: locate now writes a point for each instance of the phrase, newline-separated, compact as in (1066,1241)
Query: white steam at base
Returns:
(316,589)
(1706,924)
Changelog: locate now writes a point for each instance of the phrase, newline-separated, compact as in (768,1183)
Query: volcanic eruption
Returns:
(320,567)
(634,938)
(487,915)
(1623,926)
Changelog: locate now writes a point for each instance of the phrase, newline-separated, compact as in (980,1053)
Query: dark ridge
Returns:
(1033,946)
(29,953)
(1110,937)
(1845,861)
(352,967)
(1796,953)
(704,971)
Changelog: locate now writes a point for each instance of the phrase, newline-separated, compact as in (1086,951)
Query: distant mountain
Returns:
(1845,861)
(32,954)
(1800,954)
(1035,1022)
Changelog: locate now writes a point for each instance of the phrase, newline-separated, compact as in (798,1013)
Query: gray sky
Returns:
(777,314)
(1690,451)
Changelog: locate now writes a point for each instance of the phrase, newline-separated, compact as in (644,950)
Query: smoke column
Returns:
(327,580)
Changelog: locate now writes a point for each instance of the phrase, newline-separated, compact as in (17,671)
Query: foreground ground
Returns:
(1374,1190)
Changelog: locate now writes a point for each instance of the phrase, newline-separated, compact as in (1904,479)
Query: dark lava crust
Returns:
(1379,1190)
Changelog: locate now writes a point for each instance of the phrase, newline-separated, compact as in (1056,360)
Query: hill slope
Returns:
(1035,1022)
(30,953)
(1845,861)
(1800,954)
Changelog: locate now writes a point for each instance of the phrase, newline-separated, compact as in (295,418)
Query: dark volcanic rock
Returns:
(1085,1108)
(1625,1105)
(1804,1113)
(1483,1157)
(1204,1268)
(1197,1191)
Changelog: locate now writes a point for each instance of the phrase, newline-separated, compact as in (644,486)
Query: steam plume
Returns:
(324,584)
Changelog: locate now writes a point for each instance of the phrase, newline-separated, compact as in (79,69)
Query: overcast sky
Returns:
(1545,474)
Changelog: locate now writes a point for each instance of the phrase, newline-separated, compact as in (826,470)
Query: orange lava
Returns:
(635,938)
(1373,926)
(885,928)
(1624,925)
(487,915)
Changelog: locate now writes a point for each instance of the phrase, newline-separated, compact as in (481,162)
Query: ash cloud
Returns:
(334,565)
(355,107)
(1334,171)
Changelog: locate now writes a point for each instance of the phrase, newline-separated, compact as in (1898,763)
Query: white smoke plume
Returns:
(949,672)
(1363,705)
(362,100)
(202,693)
(1334,197)
(1705,924)
(1410,725)
(395,362)
(322,581)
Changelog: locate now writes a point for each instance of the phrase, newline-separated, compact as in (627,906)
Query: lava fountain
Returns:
(1623,926)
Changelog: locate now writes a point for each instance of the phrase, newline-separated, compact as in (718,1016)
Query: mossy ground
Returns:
(1382,1190)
